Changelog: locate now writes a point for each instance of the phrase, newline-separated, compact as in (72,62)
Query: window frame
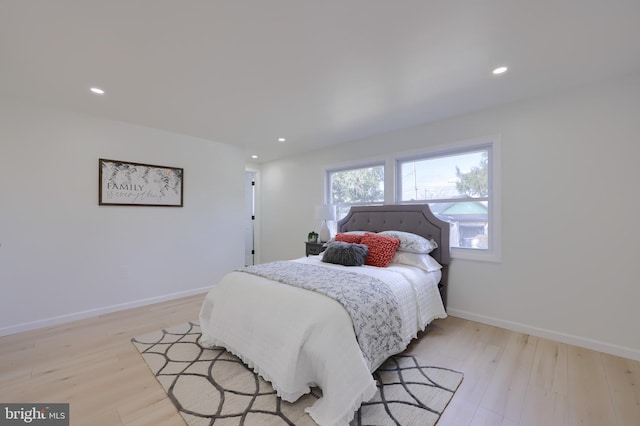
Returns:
(492,145)
(392,186)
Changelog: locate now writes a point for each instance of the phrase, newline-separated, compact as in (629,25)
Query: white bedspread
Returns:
(297,338)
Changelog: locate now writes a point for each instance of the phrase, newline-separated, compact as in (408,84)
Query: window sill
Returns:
(478,255)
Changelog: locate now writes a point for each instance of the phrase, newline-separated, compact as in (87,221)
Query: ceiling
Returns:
(317,73)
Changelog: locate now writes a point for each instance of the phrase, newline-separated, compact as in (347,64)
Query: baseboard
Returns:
(48,322)
(582,342)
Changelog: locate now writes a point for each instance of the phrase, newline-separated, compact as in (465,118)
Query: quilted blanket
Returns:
(370,303)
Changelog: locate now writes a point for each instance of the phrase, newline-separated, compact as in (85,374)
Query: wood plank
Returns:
(140,412)
(589,399)
(485,417)
(623,378)
(478,368)
(544,407)
(108,417)
(508,387)
(550,367)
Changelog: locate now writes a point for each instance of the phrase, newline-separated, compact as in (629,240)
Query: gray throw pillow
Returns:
(347,254)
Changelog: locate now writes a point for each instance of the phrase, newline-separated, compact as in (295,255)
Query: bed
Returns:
(297,339)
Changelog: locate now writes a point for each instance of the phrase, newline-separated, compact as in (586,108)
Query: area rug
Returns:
(212,386)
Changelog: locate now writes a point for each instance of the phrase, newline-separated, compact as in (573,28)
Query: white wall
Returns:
(570,206)
(62,256)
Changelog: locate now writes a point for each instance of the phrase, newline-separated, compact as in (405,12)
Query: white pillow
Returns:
(412,243)
(422,261)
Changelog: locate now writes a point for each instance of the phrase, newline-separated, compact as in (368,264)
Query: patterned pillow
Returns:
(381,249)
(346,254)
(412,243)
(349,238)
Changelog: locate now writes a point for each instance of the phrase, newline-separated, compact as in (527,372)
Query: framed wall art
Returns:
(123,183)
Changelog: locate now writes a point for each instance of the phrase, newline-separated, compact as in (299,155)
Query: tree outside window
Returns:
(355,187)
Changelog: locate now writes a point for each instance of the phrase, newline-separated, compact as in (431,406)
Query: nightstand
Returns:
(314,248)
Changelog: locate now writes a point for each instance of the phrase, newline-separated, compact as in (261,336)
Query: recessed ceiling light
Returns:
(97,91)
(500,70)
(254,156)
(281,139)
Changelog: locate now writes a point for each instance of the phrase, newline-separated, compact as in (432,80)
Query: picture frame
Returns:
(125,183)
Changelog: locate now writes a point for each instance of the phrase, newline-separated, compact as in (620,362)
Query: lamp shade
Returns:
(326,212)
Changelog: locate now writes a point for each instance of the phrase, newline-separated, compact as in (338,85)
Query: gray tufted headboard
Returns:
(415,218)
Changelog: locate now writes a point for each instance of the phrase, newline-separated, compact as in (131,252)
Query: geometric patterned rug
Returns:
(213,387)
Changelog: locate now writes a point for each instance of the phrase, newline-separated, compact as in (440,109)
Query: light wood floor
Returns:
(510,378)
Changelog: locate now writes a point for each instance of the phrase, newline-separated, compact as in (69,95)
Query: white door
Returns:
(250,217)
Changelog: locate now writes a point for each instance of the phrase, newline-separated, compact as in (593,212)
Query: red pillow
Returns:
(349,238)
(381,249)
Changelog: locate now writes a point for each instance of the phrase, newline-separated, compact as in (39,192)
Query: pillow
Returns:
(381,249)
(412,243)
(346,254)
(349,238)
(422,261)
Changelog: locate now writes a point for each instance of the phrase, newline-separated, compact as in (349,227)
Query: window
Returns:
(458,185)
(359,186)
